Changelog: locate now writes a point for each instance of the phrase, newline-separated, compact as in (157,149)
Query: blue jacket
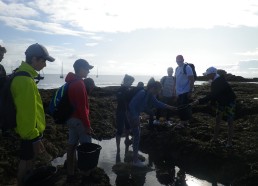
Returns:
(143,101)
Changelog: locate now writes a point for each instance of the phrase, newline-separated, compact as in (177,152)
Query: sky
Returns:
(136,37)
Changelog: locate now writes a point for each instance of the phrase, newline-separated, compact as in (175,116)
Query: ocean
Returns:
(52,81)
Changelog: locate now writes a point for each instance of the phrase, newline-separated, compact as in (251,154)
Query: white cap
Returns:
(210,70)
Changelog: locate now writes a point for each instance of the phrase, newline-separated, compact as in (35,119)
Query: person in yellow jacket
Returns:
(30,116)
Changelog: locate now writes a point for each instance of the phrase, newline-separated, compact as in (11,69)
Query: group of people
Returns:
(167,96)
(30,115)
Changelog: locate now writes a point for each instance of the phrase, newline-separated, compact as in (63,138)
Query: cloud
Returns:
(39,26)
(64,17)
(91,44)
(249,53)
(17,10)
(249,64)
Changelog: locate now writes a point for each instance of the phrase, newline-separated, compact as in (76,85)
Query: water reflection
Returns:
(166,171)
(126,173)
(159,171)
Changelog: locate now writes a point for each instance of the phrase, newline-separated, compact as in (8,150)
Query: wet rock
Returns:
(189,147)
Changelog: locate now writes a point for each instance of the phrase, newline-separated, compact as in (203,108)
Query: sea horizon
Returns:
(53,81)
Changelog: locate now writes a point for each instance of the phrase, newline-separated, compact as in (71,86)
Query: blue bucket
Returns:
(88,156)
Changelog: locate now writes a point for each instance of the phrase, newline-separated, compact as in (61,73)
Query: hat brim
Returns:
(90,67)
(49,58)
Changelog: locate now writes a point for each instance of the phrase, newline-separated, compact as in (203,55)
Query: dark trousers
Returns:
(185,113)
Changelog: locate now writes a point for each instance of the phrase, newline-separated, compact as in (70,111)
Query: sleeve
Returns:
(217,88)
(189,70)
(157,103)
(25,101)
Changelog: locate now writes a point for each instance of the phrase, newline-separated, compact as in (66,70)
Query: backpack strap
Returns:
(21,73)
(184,68)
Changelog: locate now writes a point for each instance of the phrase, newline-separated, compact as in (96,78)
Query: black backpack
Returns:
(60,107)
(193,69)
(7,106)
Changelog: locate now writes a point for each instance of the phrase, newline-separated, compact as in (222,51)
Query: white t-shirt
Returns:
(182,81)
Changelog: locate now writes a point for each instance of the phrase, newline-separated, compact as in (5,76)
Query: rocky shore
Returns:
(189,148)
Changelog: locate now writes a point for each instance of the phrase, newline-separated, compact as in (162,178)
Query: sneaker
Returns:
(138,163)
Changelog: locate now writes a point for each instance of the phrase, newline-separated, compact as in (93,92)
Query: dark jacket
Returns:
(121,96)
(221,92)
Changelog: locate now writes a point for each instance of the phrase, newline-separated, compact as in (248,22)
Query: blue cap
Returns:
(37,50)
(82,63)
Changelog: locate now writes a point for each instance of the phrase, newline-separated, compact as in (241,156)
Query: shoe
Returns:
(138,163)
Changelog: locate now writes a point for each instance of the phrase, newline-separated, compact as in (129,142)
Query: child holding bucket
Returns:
(79,123)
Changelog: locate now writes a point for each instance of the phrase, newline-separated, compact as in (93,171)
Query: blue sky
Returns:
(137,37)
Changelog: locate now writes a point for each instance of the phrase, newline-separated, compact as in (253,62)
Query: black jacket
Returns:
(221,92)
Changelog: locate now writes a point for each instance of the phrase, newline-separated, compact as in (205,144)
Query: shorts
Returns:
(77,132)
(26,149)
(227,111)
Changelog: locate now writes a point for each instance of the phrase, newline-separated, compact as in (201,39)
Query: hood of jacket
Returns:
(71,77)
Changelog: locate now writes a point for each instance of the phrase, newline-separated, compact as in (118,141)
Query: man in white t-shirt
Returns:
(184,88)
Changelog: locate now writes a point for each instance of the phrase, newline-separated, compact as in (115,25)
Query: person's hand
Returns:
(38,147)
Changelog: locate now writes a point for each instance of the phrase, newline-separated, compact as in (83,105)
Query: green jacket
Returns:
(30,116)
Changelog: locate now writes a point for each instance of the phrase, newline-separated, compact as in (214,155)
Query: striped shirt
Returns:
(168,86)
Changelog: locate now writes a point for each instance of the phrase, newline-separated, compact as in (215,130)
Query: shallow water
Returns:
(107,160)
